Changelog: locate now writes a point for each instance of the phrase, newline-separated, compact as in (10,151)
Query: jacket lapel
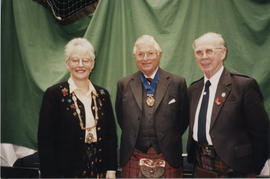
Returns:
(195,97)
(136,88)
(223,91)
(161,89)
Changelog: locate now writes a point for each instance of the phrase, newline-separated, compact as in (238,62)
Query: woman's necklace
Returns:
(89,138)
(94,95)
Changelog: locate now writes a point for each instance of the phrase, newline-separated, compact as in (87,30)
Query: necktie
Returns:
(202,115)
(149,80)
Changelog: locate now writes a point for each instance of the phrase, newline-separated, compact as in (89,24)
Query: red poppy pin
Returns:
(219,100)
(64,91)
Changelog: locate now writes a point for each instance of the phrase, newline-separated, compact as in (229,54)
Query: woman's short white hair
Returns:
(79,42)
(210,34)
(148,38)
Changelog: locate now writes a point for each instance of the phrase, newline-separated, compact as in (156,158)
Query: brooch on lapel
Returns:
(219,99)
(64,91)
(73,106)
(102,92)
(66,98)
(99,102)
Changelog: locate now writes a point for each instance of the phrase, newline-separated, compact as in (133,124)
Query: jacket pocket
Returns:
(242,150)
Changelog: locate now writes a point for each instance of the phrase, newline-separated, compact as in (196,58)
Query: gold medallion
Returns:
(150,100)
(89,138)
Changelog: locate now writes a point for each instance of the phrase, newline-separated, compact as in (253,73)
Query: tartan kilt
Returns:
(131,169)
(215,164)
(211,163)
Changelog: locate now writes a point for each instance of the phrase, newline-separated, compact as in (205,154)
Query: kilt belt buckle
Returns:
(208,151)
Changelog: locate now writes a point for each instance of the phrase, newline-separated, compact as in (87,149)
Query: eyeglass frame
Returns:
(149,55)
(204,51)
(83,61)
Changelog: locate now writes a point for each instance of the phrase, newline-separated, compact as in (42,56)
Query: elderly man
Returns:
(228,123)
(151,107)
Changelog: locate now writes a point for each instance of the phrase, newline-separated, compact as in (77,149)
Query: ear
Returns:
(224,52)
(92,65)
(67,65)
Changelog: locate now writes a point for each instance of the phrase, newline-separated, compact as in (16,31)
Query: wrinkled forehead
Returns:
(145,46)
(208,42)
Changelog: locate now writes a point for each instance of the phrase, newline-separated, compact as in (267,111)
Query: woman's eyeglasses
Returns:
(76,61)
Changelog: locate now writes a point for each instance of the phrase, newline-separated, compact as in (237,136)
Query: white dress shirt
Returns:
(212,92)
(152,76)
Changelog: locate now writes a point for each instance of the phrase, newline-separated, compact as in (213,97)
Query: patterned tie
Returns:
(202,115)
(149,80)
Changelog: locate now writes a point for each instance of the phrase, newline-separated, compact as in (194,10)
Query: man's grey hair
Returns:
(148,38)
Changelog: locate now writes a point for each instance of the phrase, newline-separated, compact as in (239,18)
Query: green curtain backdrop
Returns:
(32,48)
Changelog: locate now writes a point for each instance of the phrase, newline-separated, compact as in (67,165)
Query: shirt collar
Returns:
(153,75)
(73,87)
(215,78)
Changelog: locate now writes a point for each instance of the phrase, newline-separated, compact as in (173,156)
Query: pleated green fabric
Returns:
(32,48)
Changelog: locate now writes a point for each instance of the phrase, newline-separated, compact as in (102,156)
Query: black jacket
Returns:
(60,139)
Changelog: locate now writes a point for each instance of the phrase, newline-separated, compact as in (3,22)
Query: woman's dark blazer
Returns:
(60,139)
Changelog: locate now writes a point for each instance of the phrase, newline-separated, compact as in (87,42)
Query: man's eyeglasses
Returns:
(150,55)
(76,61)
(208,51)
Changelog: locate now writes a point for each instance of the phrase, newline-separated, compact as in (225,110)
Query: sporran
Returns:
(151,168)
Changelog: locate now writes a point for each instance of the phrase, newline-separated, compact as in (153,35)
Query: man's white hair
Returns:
(210,34)
(147,38)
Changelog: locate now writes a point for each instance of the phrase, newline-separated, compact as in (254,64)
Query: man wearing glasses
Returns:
(228,122)
(152,109)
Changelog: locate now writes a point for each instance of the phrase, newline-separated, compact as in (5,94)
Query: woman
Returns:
(77,135)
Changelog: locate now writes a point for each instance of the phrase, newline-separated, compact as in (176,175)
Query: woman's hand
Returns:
(110,174)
